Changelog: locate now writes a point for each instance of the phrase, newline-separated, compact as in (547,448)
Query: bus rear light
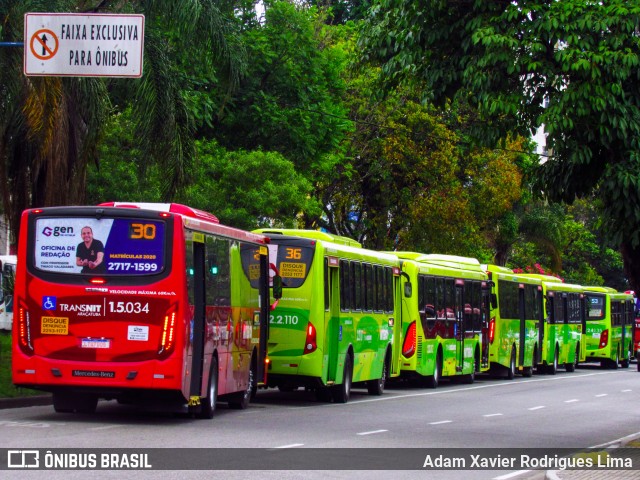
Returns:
(492,330)
(98,281)
(168,333)
(604,338)
(310,343)
(409,345)
(24,330)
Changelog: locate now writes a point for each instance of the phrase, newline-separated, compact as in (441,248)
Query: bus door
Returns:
(624,335)
(460,327)
(522,338)
(550,338)
(541,321)
(583,329)
(485,313)
(196,276)
(399,294)
(265,311)
(332,316)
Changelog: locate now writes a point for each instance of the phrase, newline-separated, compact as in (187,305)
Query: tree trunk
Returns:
(631,258)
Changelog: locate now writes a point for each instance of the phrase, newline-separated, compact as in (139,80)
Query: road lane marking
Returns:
(627,390)
(511,475)
(492,415)
(573,400)
(106,427)
(373,432)
(441,422)
(601,395)
(291,445)
(537,408)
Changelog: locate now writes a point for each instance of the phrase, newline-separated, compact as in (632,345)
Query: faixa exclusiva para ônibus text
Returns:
(556,462)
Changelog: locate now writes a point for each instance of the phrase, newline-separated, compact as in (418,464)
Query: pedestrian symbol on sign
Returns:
(44,44)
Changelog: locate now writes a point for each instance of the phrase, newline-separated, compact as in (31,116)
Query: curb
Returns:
(19,402)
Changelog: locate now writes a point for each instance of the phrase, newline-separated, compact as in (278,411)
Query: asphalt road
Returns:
(570,410)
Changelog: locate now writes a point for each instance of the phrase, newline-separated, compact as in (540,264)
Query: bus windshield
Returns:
(105,246)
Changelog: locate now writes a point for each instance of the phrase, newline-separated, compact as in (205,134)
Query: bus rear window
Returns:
(291,256)
(107,246)
(596,306)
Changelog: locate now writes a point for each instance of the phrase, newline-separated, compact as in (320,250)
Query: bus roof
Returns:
(438,260)
(313,234)
(600,289)
(544,278)
(166,207)
(507,273)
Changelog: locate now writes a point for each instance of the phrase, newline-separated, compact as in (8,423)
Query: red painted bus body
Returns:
(167,317)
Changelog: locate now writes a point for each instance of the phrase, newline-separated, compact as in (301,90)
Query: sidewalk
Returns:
(604,451)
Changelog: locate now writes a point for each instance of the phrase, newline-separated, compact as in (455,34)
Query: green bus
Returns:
(564,325)
(515,336)
(337,321)
(610,319)
(445,317)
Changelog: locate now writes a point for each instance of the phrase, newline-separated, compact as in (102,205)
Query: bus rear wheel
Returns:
(240,400)
(511,373)
(376,387)
(434,380)
(342,392)
(553,368)
(571,367)
(627,361)
(208,408)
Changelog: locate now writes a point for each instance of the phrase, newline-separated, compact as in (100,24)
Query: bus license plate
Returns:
(96,343)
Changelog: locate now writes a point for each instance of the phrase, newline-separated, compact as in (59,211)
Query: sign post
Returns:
(83,45)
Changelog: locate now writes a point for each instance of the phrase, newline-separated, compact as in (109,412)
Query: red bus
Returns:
(142,303)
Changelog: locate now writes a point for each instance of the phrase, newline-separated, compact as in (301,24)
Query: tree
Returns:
(508,58)
(228,184)
(291,99)
(50,126)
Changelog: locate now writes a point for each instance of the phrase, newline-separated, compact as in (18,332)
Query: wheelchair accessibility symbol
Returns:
(49,303)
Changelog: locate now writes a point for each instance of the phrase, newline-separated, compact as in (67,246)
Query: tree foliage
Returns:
(508,59)
(50,127)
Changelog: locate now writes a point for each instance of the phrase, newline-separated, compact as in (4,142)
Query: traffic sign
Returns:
(83,45)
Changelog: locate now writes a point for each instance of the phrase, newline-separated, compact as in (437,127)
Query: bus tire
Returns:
(240,400)
(511,372)
(376,387)
(342,392)
(527,372)
(571,367)
(470,378)
(433,381)
(616,363)
(208,408)
(553,368)
(627,361)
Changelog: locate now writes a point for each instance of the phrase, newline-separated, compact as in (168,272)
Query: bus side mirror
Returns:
(494,300)
(408,290)
(277,287)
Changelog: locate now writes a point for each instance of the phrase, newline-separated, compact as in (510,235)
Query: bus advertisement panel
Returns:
(336,322)
(143,305)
